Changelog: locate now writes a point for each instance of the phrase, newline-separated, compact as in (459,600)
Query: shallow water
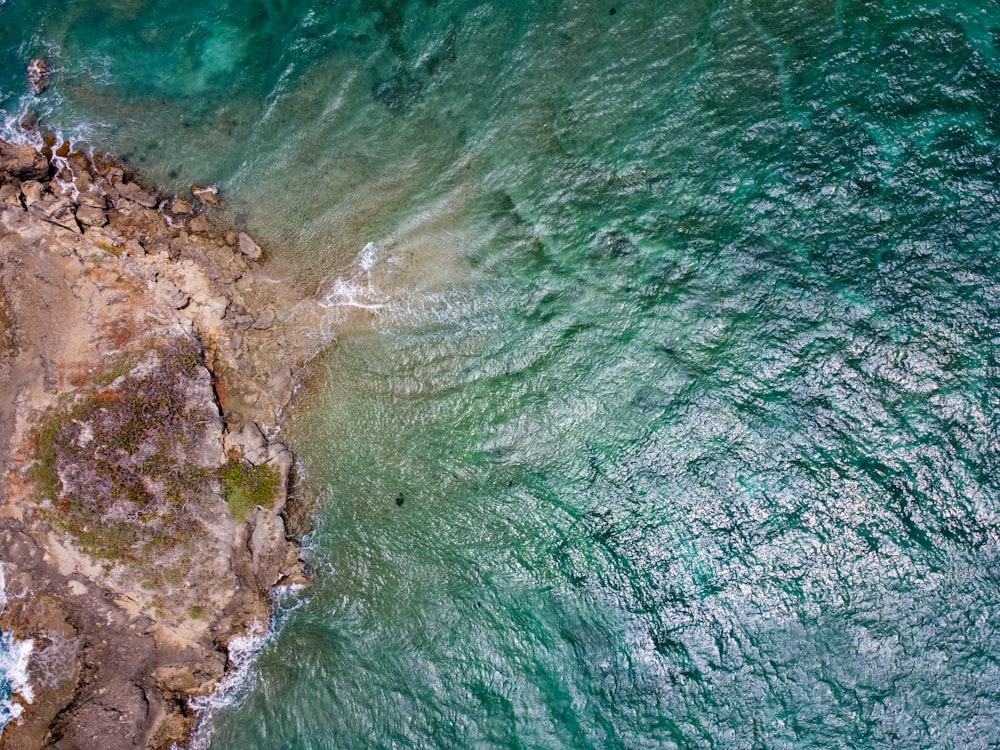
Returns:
(683,356)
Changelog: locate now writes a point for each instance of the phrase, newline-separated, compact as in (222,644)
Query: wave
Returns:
(15,691)
(241,678)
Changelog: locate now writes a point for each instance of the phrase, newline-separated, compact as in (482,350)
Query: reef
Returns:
(146,503)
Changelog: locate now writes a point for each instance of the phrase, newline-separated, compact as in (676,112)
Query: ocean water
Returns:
(15,687)
(664,408)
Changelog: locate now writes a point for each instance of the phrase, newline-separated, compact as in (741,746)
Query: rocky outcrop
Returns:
(22,162)
(144,365)
(39,74)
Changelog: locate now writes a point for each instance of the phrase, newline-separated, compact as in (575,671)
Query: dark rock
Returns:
(400,499)
(30,121)
(23,162)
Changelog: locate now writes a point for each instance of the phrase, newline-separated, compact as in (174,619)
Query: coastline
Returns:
(145,360)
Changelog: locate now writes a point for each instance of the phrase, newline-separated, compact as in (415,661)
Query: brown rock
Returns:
(10,193)
(248,442)
(208,194)
(23,161)
(265,320)
(134,192)
(176,296)
(82,181)
(248,247)
(134,248)
(46,206)
(33,192)
(181,206)
(91,216)
(88,198)
(198,224)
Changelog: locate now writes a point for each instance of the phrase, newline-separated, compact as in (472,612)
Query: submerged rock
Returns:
(38,76)
(248,247)
(208,194)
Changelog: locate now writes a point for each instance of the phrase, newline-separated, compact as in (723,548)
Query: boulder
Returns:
(275,559)
(281,386)
(88,198)
(91,216)
(248,247)
(34,192)
(10,193)
(181,206)
(23,162)
(208,194)
(176,296)
(134,248)
(82,181)
(282,459)
(134,192)
(243,322)
(59,211)
(198,224)
(265,320)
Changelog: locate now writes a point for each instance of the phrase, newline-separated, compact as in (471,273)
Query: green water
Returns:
(685,365)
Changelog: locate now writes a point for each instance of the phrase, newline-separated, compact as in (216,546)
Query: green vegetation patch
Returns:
(121,465)
(248,486)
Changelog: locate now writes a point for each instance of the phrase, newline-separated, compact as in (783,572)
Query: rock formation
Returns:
(144,365)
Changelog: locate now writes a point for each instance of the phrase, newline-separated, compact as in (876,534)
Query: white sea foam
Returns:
(234,688)
(372,287)
(15,691)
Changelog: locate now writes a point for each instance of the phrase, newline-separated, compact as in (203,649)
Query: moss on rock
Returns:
(248,486)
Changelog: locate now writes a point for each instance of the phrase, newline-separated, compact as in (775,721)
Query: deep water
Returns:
(682,353)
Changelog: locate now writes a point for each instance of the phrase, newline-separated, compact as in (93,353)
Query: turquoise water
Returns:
(15,689)
(683,359)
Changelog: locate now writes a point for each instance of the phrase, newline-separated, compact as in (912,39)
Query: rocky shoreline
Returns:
(145,360)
